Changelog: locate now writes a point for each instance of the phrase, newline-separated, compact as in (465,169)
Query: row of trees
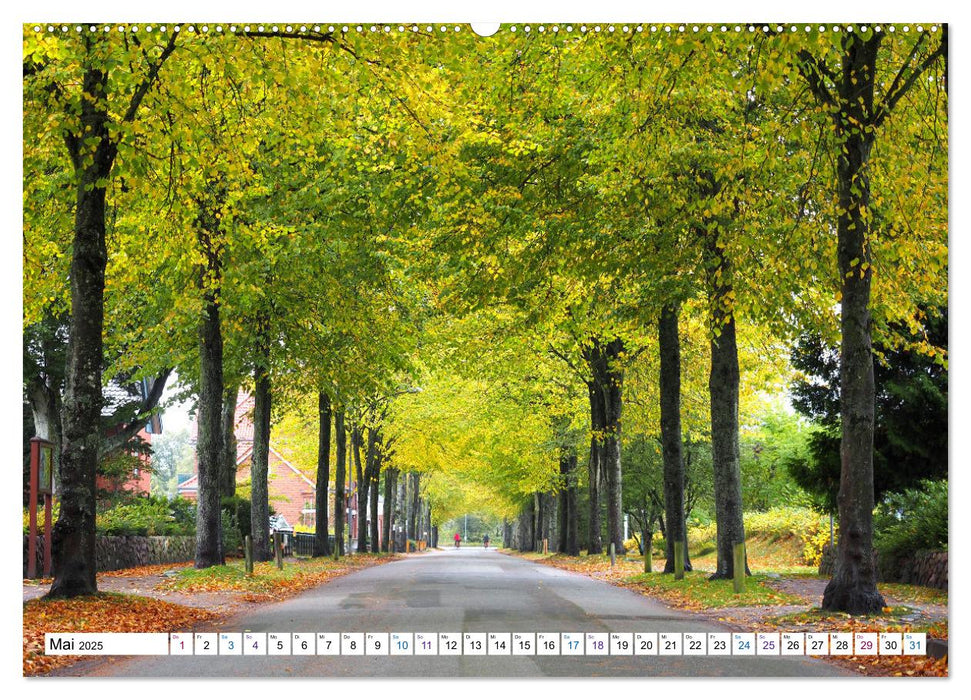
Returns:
(477,253)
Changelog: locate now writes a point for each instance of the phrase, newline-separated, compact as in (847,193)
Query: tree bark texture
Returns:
(260,469)
(853,587)
(73,535)
(372,475)
(209,444)
(594,470)
(340,477)
(390,489)
(363,486)
(322,497)
(227,479)
(723,386)
(414,508)
(669,345)
(607,377)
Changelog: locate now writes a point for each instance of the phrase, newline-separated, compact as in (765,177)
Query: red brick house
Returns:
(117,396)
(292,493)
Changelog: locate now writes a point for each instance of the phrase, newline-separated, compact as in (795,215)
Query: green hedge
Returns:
(149,515)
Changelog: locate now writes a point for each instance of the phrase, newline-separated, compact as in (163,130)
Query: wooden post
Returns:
(648,557)
(278,547)
(407,546)
(48,517)
(546,546)
(248,553)
(32,529)
(739,568)
(678,561)
(613,555)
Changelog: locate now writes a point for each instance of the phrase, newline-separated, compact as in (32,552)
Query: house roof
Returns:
(242,452)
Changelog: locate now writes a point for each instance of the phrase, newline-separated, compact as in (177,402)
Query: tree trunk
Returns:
(606,392)
(400,506)
(414,505)
(321,535)
(613,408)
(595,468)
(227,479)
(260,469)
(723,385)
(210,441)
(363,486)
(853,586)
(73,535)
(92,152)
(569,539)
(374,482)
(390,489)
(669,347)
(340,476)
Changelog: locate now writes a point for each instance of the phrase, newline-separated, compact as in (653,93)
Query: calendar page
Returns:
(580,344)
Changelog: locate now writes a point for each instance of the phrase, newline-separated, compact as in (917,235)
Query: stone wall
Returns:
(921,569)
(125,552)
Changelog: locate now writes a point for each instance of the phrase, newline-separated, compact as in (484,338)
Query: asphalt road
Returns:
(465,590)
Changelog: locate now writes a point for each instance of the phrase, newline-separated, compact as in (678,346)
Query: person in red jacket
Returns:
(458,540)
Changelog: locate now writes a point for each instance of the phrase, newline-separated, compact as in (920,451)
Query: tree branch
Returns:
(897,90)
(812,69)
(146,84)
(145,411)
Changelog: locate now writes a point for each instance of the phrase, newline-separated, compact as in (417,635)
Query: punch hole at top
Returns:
(485,28)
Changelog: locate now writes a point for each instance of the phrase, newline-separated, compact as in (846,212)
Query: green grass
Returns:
(696,591)
(913,594)
(266,577)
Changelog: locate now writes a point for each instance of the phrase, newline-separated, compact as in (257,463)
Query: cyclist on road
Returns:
(485,541)
(458,540)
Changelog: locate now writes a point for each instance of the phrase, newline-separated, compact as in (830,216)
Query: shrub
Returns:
(146,516)
(810,527)
(238,509)
(912,521)
(55,511)
(232,539)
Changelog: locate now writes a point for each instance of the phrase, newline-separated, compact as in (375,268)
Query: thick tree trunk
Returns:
(209,551)
(400,506)
(573,517)
(390,489)
(92,150)
(723,386)
(374,480)
(853,586)
(563,514)
(340,477)
(363,486)
(595,469)
(227,479)
(260,470)
(613,408)
(669,345)
(322,497)
(414,507)
(73,535)
(606,390)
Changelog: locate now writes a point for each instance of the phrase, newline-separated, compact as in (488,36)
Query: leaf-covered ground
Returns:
(105,612)
(778,603)
(267,582)
(201,594)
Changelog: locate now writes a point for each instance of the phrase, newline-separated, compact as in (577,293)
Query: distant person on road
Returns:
(458,540)
(485,541)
